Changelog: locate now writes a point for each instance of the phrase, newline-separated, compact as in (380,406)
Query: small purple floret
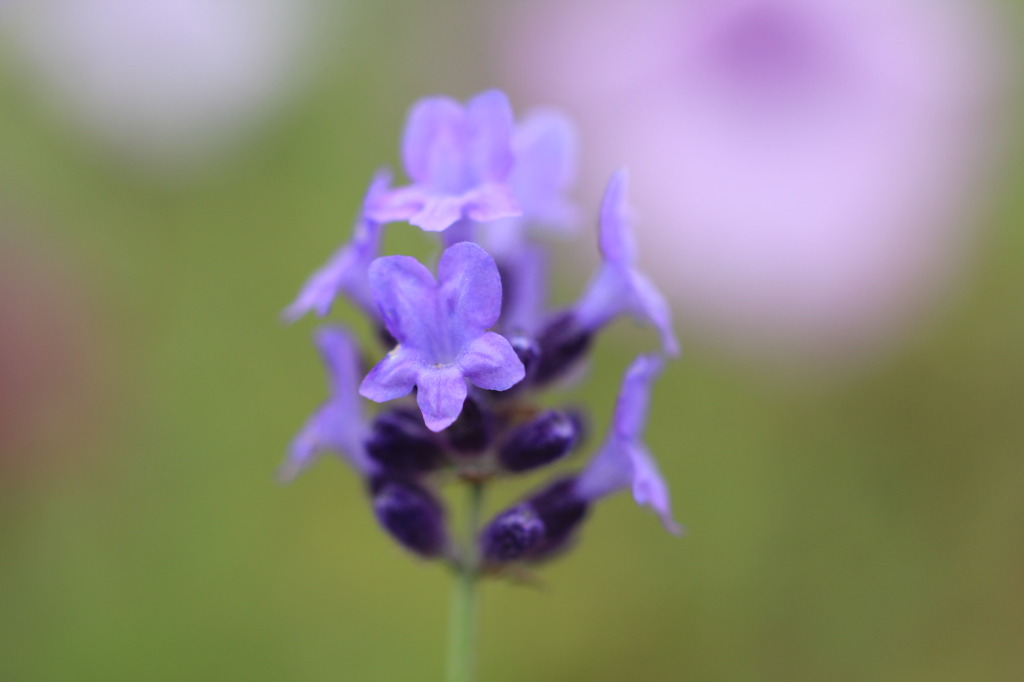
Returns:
(459,159)
(441,328)
(623,460)
(619,287)
(410,514)
(346,271)
(338,425)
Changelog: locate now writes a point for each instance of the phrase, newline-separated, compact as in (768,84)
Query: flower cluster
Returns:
(475,344)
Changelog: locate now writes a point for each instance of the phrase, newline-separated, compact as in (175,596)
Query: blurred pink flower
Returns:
(161,80)
(804,168)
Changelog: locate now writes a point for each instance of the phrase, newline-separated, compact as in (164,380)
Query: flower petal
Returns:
(346,271)
(393,377)
(441,391)
(438,213)
(397,205)
(338,424)
(634,397)
(470,291)
(616,240)
(318,293)
(623,461)
(649,487)
(490,363)
(492,202)
(433,147)
(340,355)
(524,283)
(545,147)
(490,124)
(406,296)
(650,305)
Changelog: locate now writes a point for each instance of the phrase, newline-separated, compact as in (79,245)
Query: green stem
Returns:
(462,629)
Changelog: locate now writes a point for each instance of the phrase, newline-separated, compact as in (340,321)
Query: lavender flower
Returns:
(441,328)
(338,425)
(477,346)
(624,461)
(459,159)
(346,271)
(619,287)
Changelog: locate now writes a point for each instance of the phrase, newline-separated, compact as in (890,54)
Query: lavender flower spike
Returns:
(623,460)
(459,159)
(618,286)
(338,424)
(346,271)
(441,328)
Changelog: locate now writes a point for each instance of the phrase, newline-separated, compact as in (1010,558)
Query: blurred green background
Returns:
(861,528)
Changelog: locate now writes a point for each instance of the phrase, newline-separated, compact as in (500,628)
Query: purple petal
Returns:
(623,461)
(618,289)
(470,291)
(346,271)
(524,282)
(545,147)
(490,125)
(441,391)
(340,355)
(634,397)
(617,243)
(393,377)
(433,148)
(490,363)
(492,202)
(438,213)
(406,296)
(338,425)
(328,430)
(649,488)
(650,305)
(318,293)
(397,205)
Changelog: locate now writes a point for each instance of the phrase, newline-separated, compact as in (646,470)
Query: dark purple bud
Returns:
(562,342)
(537,529)
(526,350)
(473,431)
(410,514)
(540,441)
(401,443)
(562,511)
(512,535)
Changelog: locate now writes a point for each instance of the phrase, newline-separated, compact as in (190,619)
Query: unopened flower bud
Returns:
(540,441)
(537,529)
(512,535)
(562,343)
(401,443)
(526,349)
(410,514)
(473,431)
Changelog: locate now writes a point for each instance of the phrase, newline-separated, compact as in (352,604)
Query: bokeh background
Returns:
(850,464)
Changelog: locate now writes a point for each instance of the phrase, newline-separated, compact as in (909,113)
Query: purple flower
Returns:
(623,460)
(544,146)
(346,271)
(812,169)
(459,159)
(618,286)
(338,425)
(440,326)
